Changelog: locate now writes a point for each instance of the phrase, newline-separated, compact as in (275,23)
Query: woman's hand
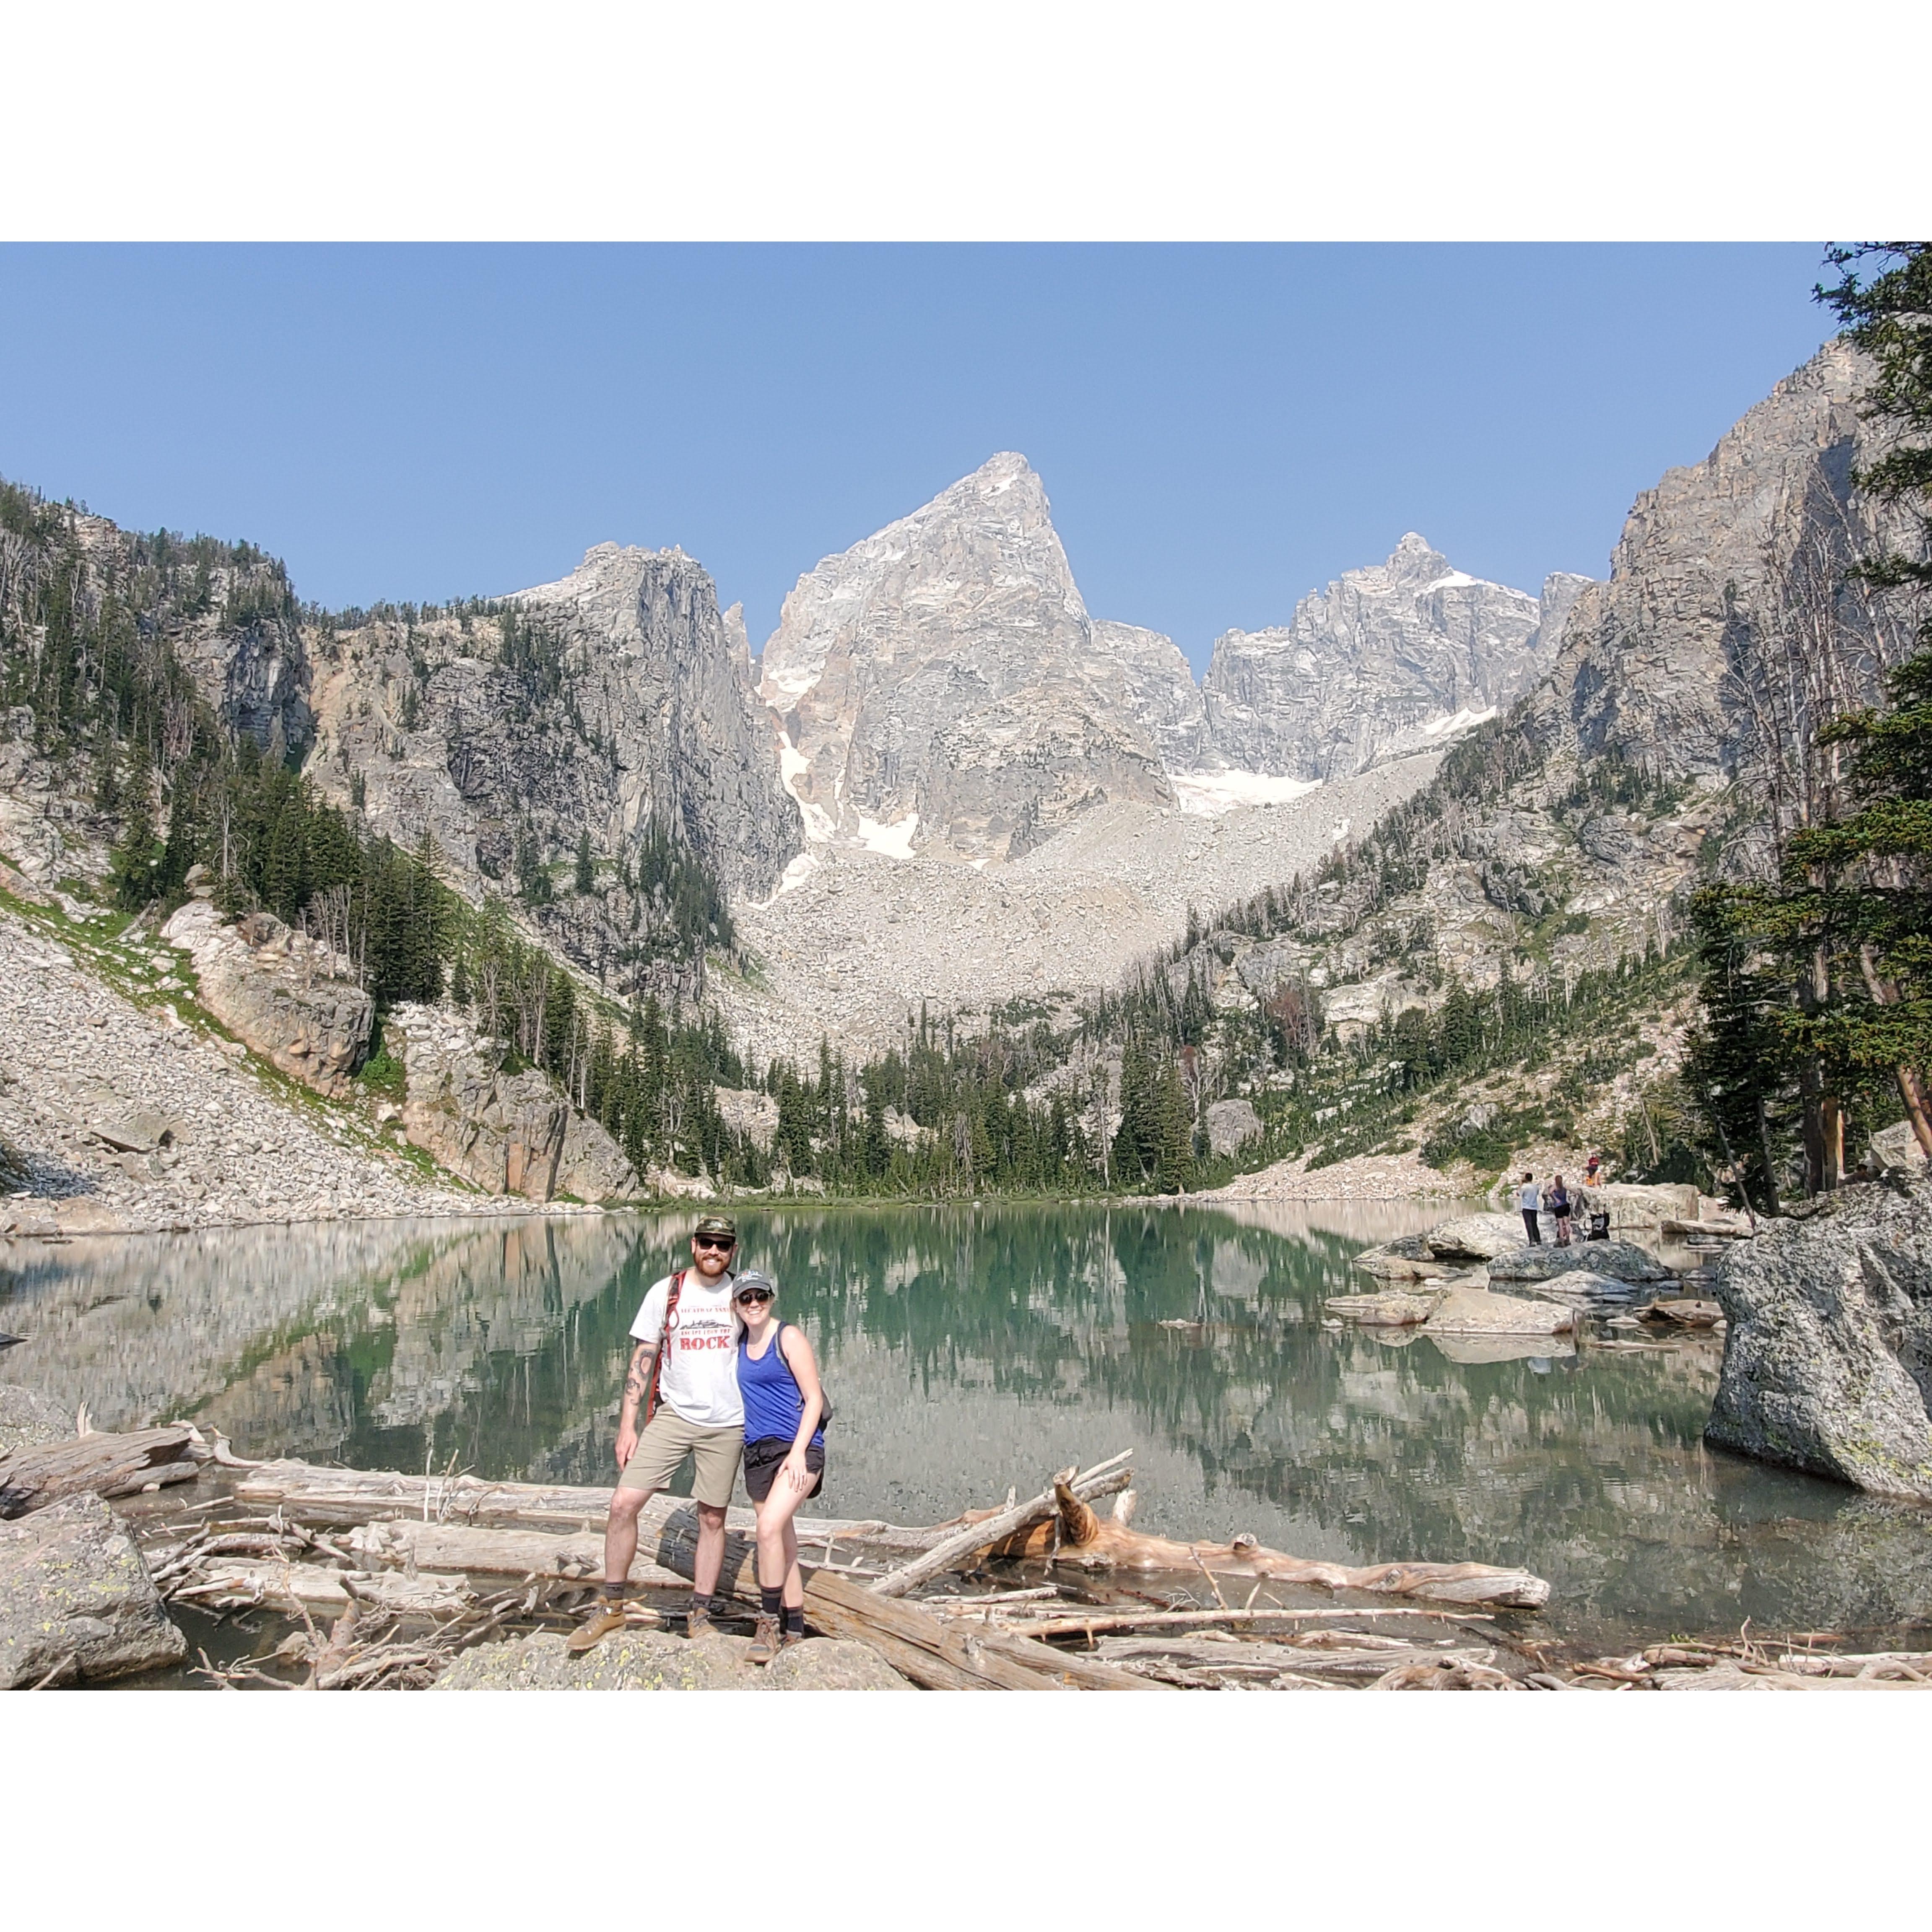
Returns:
(797,1474)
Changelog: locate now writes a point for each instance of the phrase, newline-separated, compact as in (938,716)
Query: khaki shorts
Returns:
(667,1439)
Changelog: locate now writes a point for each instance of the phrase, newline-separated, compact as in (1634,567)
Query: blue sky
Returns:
(1220,429)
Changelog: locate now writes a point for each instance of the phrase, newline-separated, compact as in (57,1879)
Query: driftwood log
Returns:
(347,1497)
(107,1465)
(1080,1538)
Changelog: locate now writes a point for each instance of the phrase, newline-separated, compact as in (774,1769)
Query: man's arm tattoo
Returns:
(639,1379)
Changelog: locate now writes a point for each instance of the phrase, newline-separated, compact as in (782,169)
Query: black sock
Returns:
(794,1620)
(612,1592)
(771,1598)
(700,1606)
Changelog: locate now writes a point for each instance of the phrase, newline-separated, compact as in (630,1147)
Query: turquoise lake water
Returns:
(969,1349)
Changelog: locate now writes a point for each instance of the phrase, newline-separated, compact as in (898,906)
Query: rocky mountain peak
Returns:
(938,685)
(1390,658)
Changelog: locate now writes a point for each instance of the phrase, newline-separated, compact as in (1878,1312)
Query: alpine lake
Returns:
(971,1348)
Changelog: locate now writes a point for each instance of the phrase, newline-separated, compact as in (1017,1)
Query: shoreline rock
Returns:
(77,1602)
(1828,1354)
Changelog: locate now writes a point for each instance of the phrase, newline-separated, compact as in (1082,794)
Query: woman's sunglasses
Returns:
(724,1244)
(753,1294)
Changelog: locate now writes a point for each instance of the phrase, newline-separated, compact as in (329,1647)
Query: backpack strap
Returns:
(664,1342)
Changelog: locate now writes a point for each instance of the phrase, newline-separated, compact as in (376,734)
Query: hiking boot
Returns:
(588,1636)
(790,1637)
(765,1640)
(697,1623)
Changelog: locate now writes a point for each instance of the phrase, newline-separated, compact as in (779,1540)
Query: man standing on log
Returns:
(684,1373)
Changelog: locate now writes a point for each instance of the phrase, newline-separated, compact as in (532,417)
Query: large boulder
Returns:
(77,1602)
(1828,1357)
(29,1418)
(831,1663)
(1474,1311)
(1633,1204)
(1898,1146)
(1623,1261)
(631,1659)
(656,1661)
(1407,1257)
(1576,1285)
(1231,1124)
(292,999)
(1390,1309)
(508,1133)
(1475,1237)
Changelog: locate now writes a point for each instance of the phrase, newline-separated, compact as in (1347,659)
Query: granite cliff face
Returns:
(1380,663)
(1710,567)
(939,688)
(614,699)
(1161,694)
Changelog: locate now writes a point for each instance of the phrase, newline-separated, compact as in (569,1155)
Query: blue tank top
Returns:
(774,1403)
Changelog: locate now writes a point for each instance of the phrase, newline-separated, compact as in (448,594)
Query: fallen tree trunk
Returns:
(1361,1665)
(107,1465)
(345,1498)
(1073,1623)
(242,1582)
(479,1552)
(1088,1541)
(950,1551)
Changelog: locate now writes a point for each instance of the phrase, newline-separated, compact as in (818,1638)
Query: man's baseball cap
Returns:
(716,1224)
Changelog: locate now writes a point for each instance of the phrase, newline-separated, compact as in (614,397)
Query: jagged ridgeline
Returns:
(1509,956)
(154,695)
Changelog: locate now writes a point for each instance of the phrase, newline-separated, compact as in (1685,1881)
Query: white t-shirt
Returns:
(1531,1198)
(700,1380)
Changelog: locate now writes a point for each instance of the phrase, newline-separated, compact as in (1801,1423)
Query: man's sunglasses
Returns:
(724,1244)
(754,1295)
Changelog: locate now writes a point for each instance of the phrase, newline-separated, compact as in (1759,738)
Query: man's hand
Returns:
(627,1444)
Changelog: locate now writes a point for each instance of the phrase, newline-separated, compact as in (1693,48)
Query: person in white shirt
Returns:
(684,1372)
(1532,1199)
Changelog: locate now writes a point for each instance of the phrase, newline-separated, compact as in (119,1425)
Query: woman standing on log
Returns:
(784,1453)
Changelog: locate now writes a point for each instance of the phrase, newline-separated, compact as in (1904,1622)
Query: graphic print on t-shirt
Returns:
(700,1380)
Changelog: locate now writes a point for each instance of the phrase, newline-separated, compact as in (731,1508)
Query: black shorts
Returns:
(764,1458)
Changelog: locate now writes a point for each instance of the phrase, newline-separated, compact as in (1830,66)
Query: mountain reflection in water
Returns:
(971,1348)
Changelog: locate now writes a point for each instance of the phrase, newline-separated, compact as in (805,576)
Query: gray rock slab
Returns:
(1621,1260)
(1231,1124)
(1405,1258)
(28,1418)
(1394,1309)
(657,1661)
(77,1602)
(1574,1285)
(1474,1311)
(141,1131)
(1828,1356)
(1475,1237)
(831,1663)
